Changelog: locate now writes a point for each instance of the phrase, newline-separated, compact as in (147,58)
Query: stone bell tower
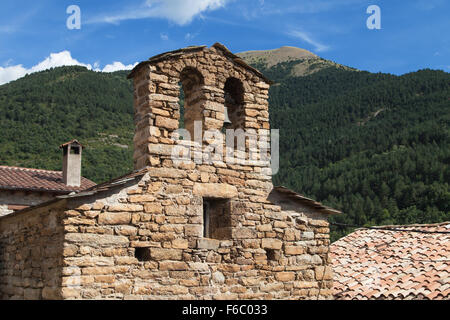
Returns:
(216,85)
(214,81)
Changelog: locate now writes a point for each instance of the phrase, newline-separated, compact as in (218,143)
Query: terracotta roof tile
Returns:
(384,264)
(88,191)
(15,178)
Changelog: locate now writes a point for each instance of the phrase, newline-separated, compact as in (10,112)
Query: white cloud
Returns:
(63,58)
(308,39)
(180,12)
(116,66)
(8,74)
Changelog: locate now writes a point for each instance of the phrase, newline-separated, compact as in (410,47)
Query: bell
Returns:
(226,123)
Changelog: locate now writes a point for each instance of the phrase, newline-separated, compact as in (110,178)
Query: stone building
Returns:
(203,229)
(24,187)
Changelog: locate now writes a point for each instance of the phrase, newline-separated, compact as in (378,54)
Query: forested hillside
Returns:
(43,110)
(375,146)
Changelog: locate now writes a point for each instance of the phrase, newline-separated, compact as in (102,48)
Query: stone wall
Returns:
(31,246)
(271,254)
(145,241)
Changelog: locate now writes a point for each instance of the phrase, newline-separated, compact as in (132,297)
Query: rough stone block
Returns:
(114,218)
(167,173)
(243,233)
(209,244)
(307,235)
(153,208)
(324,273)
(215,190)
(285,276)
(160,150)
(173,266)
(125,207)
(294,250)
(270,243)
(180,244)
(51,293)
(193,230)
(142,198)
(91,239)
(318,223)
(305,284)
(168,123)
(165,254)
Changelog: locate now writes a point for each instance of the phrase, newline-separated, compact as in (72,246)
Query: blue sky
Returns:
(116,34)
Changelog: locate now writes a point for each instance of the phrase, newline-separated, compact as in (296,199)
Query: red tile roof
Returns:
(24,179)
(384,264)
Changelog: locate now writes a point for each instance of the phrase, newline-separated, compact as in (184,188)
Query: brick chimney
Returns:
(72,163)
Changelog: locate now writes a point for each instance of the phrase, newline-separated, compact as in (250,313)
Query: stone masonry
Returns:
(208,230)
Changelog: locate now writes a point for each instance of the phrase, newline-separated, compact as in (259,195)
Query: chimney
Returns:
(72,163)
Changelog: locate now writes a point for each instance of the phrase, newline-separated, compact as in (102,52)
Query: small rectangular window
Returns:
(217,218)
(74,150)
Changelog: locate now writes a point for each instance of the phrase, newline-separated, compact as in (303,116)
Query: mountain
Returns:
(276,56)
(376,146)
(304,62)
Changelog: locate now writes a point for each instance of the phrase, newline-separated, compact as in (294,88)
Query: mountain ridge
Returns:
(304,62)
(274,56)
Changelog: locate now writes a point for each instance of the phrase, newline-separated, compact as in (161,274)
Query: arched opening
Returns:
(237,138)
(234,104)
(191,99)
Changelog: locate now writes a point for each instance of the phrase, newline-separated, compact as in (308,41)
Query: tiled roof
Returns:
(93,189)
(384,264)
(24,179)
